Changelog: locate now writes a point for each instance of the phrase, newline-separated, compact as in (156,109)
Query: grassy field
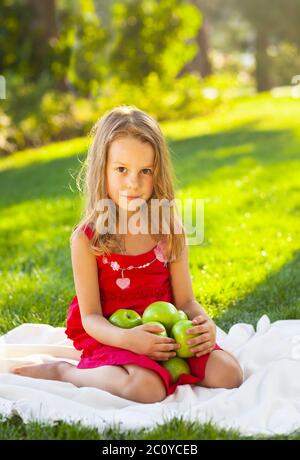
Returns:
(243,160)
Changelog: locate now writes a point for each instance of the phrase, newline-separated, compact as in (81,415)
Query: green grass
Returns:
(243,160)
(15,429)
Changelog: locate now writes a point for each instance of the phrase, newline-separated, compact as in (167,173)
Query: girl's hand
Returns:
(204,343)
(143,340)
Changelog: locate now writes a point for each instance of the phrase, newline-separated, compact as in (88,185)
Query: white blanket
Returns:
(268,402)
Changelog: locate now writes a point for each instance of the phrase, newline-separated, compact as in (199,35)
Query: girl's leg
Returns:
(145,386)
(222,371)
(128,381)
(107,378)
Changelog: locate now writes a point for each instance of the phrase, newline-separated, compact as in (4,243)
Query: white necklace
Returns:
(124,283)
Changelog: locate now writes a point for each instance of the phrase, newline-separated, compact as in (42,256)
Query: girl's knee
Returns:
(233,376)
(235,372)
(223,371)
(145,386)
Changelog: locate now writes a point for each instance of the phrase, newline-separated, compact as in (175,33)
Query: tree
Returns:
(43,27)
(272,21)
(90,46)
(151,36)
(34,42)
(201,62)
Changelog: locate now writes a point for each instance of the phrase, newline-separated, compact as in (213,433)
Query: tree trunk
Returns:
(201,62)
(43,20)
(44,30)
(262,71)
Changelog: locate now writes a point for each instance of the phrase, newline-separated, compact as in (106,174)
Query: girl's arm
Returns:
(184,299)
(182,287)
(85,272)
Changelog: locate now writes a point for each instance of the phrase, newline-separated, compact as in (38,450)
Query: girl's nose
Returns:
(133,182)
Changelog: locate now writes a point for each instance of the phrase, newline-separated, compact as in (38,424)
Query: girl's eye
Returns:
(146,171)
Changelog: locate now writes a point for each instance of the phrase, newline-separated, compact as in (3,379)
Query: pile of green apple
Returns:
(174,322)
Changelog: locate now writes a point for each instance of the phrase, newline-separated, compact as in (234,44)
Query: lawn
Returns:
(243,161)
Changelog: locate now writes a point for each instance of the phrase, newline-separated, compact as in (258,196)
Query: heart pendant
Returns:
(123,283)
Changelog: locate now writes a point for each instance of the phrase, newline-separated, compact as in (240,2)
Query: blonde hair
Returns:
(123,121)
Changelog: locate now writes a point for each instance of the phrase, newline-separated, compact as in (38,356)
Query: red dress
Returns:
(147,285)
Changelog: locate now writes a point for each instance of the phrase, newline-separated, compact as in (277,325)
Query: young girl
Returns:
(129,157)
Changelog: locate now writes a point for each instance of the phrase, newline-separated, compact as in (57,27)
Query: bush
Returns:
(165,100)
(38,114)
(34,115)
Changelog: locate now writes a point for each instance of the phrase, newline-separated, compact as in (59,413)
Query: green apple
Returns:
(161,311)
(176,366)
(180,315)
(162,333)
(125,318)
(179,334)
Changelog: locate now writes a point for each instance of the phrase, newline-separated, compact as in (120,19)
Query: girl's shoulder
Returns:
(87,229)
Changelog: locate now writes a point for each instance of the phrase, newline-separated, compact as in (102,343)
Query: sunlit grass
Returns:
(46,153)
(177,428)
(244,161)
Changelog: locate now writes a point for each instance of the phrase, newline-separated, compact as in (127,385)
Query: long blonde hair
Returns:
(125,121)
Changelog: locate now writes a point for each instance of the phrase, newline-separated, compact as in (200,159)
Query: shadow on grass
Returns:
(194,159)
(39,180)
(278,296)
(197,157)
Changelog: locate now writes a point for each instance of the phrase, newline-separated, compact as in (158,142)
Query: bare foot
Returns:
(47,371)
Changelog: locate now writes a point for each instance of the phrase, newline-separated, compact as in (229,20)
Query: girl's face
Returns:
(130,169)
